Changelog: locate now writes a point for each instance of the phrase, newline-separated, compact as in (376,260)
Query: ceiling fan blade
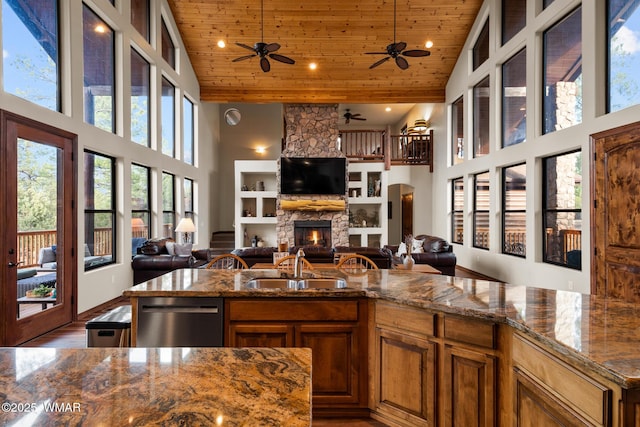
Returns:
(402,63)
(399,47)
(375,53)
(416,53)
(264,64)
(374,65)
(272,47)
(245,46)
(242,58)
(357,118)
(281,58)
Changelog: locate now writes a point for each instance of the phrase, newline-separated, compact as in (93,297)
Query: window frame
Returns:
(457,131)
(148,112)
(454,212)
(523,118)
(165,34)
(169,205)
(477,211)
(173,118)
(112,211)
(188,142)
(546,258)
(479,46)
(477,122)
(506,211)
(135,212)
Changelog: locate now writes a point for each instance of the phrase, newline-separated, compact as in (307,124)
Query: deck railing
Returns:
(381,146)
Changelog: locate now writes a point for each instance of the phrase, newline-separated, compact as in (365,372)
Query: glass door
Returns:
(39,243)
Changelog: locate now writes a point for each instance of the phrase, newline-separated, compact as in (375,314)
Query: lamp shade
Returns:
(421,125)
(186,226)
(137,223)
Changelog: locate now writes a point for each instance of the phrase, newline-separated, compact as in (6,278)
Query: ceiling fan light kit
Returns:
(395,50)
(264,50)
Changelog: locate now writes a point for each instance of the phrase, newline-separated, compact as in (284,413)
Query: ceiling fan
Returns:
(264,50)
(396,50)
(348,116)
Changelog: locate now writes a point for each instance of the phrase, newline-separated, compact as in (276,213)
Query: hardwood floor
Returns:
(74,336)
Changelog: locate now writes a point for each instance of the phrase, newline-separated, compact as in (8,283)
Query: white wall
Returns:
(530,271)
(98,286)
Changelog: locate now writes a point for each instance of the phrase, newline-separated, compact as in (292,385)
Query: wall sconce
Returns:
(261,150)
(187,227)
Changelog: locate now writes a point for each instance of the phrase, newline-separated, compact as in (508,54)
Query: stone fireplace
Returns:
(312,131)
(312,233)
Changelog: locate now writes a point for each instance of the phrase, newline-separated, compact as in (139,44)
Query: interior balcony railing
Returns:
(381,146)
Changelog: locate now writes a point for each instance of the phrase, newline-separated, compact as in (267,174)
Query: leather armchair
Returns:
(438,253)
(255,255)
(382,257)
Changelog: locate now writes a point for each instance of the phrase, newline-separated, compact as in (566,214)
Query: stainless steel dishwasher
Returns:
(180,322)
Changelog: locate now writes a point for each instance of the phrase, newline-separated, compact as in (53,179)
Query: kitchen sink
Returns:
(293,284)
(272,283)
(321,283)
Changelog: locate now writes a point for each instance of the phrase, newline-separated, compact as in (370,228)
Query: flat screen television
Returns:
(313,175)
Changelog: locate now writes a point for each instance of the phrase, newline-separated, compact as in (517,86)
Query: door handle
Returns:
(14,264)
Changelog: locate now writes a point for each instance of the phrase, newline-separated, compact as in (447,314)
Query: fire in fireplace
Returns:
(312,233)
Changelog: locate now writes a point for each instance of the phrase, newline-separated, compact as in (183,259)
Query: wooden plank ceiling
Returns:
(333,34)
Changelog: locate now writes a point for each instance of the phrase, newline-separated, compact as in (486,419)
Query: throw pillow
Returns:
(54,248)
(416,246)
(171,248)
(402,249)
(183,249)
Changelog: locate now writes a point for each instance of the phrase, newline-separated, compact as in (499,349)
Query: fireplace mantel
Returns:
(312,205)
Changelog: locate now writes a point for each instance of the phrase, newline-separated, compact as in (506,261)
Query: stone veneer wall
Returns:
(311,131)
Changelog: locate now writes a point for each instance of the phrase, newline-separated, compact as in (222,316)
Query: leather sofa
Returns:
(153,260)
(437,252)
(382,257)
(255,255)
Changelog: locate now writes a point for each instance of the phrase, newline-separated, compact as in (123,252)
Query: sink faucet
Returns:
(298,265)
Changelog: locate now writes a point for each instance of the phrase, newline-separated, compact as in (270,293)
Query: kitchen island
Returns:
(520,339)
(141,387)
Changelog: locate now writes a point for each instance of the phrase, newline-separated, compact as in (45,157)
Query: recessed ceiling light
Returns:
(428,44)
(387,109)
(313,66)
(221,43)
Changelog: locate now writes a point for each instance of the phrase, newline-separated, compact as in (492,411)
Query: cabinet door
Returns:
(337,375)
(405,378)
(260,335)
(536,406)
(469,387)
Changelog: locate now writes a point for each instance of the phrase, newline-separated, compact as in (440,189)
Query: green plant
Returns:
(42,291)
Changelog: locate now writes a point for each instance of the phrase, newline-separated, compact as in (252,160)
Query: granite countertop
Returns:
(601,334)
(169,386)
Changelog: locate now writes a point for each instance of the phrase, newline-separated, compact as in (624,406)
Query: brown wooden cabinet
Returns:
(335,330)
(433,369)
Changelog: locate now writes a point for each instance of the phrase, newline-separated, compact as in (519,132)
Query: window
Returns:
(99,210)
(457,211)
(187,196)
(167,108)
(168,48)
(30,51)
(140,123)
(624,54)
(481,48)
(168,204)
(514,18)
(562,46)
(546,3)
(514,206)
(99,66)
(514,99)
(457,131)
(140,201)
(188,127)
(140,17)
(481,210)
(481,118)
(561,210)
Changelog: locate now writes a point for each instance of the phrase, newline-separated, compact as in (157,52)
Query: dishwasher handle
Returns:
(180,309)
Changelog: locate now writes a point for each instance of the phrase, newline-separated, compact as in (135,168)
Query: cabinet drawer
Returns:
(578,391)
(406,318)
(470,331)
(307,310)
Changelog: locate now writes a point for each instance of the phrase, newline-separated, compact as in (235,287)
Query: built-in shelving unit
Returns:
(255,205)
(257,191)
(367,204)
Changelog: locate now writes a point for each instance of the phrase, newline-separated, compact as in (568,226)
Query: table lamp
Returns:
(186,226)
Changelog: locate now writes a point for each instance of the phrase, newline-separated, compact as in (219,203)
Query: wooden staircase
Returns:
(222,242)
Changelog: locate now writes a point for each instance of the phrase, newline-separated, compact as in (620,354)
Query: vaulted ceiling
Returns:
(334,34)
